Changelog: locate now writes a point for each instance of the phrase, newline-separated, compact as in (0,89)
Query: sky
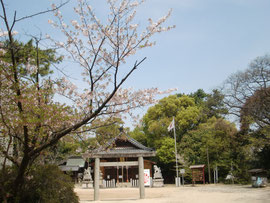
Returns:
(212,39)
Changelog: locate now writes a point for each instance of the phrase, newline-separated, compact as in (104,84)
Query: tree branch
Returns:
(42,12)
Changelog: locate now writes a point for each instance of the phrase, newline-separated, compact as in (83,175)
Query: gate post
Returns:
(96,183)
(141,177)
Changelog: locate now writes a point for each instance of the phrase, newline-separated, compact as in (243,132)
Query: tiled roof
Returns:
(124,136)
(75,161)
(132,148)
(123,151)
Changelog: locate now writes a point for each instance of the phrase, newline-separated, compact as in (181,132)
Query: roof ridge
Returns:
(129,138)
(138,144)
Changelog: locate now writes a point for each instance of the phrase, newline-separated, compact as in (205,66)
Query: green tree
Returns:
(166,158)
(157,119)
(199,96)
(212,104)
(28,54)
(107,129)
(247,96)
(165,153)
(218,136)
(138,134)
(258,149)
(199,126)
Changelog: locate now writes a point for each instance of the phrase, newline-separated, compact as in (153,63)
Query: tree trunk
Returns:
(19,181)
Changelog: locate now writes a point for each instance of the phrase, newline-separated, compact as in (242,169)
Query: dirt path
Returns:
(188,194)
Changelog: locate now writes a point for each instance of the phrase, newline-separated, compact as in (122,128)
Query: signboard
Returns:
(182,171)
(146,177)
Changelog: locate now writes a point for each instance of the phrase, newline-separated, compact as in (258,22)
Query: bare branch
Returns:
(42,12)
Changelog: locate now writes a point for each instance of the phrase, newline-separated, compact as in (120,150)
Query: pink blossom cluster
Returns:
(101,49)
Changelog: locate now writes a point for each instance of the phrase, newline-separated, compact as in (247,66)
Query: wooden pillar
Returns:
(96,183)
(141,178)
(117,175)
(193,178)
(204,177)
(122,175)
(127,173)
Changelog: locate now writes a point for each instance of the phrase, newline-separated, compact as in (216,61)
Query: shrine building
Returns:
(121,160)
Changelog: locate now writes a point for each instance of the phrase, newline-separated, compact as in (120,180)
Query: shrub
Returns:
(44,183)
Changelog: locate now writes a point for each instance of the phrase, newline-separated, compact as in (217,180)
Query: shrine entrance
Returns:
(122,172)
(121,160)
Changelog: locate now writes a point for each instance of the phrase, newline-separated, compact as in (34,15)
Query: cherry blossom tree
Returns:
(101,50)
(31,121)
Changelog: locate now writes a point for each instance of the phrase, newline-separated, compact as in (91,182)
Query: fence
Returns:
(109,183)
(134,182)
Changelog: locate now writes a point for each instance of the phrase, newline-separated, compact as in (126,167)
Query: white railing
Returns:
(134,182)
(109,183)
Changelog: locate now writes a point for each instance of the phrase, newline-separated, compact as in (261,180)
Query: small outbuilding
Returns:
(74,166)
(198,173)
(258,177)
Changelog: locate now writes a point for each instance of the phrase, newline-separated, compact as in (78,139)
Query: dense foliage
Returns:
(198,124)
(201,131)
(44,183)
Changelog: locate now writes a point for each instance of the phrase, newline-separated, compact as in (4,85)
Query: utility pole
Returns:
(232,173)
(216,174)
(176,161)
(209,174)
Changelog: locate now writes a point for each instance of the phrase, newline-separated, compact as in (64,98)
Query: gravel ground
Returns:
(188,194)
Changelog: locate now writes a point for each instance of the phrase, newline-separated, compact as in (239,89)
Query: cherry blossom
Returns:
(101,49)
(30,110)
